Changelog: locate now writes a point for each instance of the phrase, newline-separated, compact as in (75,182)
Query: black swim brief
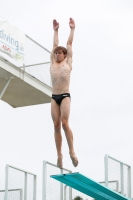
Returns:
(59,97)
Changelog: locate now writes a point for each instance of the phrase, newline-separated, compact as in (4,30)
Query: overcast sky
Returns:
(101,86)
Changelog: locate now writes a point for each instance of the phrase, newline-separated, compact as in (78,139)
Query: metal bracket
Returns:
(5,86)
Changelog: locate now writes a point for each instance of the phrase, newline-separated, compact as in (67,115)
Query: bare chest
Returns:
(60,71)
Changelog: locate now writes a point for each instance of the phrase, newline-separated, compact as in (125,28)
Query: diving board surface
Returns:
(88,186)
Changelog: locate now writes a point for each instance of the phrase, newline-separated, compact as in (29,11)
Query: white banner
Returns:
(12,41)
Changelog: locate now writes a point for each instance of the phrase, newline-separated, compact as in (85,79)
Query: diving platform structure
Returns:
(19,85)
(65,184)
(88,186)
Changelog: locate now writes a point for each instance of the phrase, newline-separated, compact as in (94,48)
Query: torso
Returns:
(60,77)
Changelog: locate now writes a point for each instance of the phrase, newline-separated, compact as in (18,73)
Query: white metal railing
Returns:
(49,184)
(114,182)
(37,43)
(25,182)
(12,196)
(84,196)
(75,193)
(37,61)
(115,169)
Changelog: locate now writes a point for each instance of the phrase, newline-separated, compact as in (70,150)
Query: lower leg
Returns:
(65,111)
(69,137)
(58,142)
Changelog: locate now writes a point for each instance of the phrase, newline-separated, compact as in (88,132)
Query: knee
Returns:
(64,124)
(56,126)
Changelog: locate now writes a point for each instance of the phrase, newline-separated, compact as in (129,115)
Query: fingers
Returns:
(55,22)
(71,19)
(71,23)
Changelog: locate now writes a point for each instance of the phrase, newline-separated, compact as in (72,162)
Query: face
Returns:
(59,56)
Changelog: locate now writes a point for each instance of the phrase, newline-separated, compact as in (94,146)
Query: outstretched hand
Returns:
(55,25)
(71,23)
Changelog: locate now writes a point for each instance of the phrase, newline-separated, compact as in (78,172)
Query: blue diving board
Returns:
(88,186)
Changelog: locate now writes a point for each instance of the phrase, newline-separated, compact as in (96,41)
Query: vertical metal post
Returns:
(34,187)
(23,71)
(4,89)
(6,182)
(21,194)
(106,169)
(61,186)
(117,186)
(122,178)
(65,192)
(70,193)
(25,187)
(129,182)
(44,181)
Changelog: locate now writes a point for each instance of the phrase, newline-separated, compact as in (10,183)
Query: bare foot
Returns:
(59,162)
(74,160)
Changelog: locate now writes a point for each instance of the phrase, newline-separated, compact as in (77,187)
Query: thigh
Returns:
(65,108)
(55,111)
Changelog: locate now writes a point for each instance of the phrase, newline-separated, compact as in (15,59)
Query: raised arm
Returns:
(70,40)
(55,38)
